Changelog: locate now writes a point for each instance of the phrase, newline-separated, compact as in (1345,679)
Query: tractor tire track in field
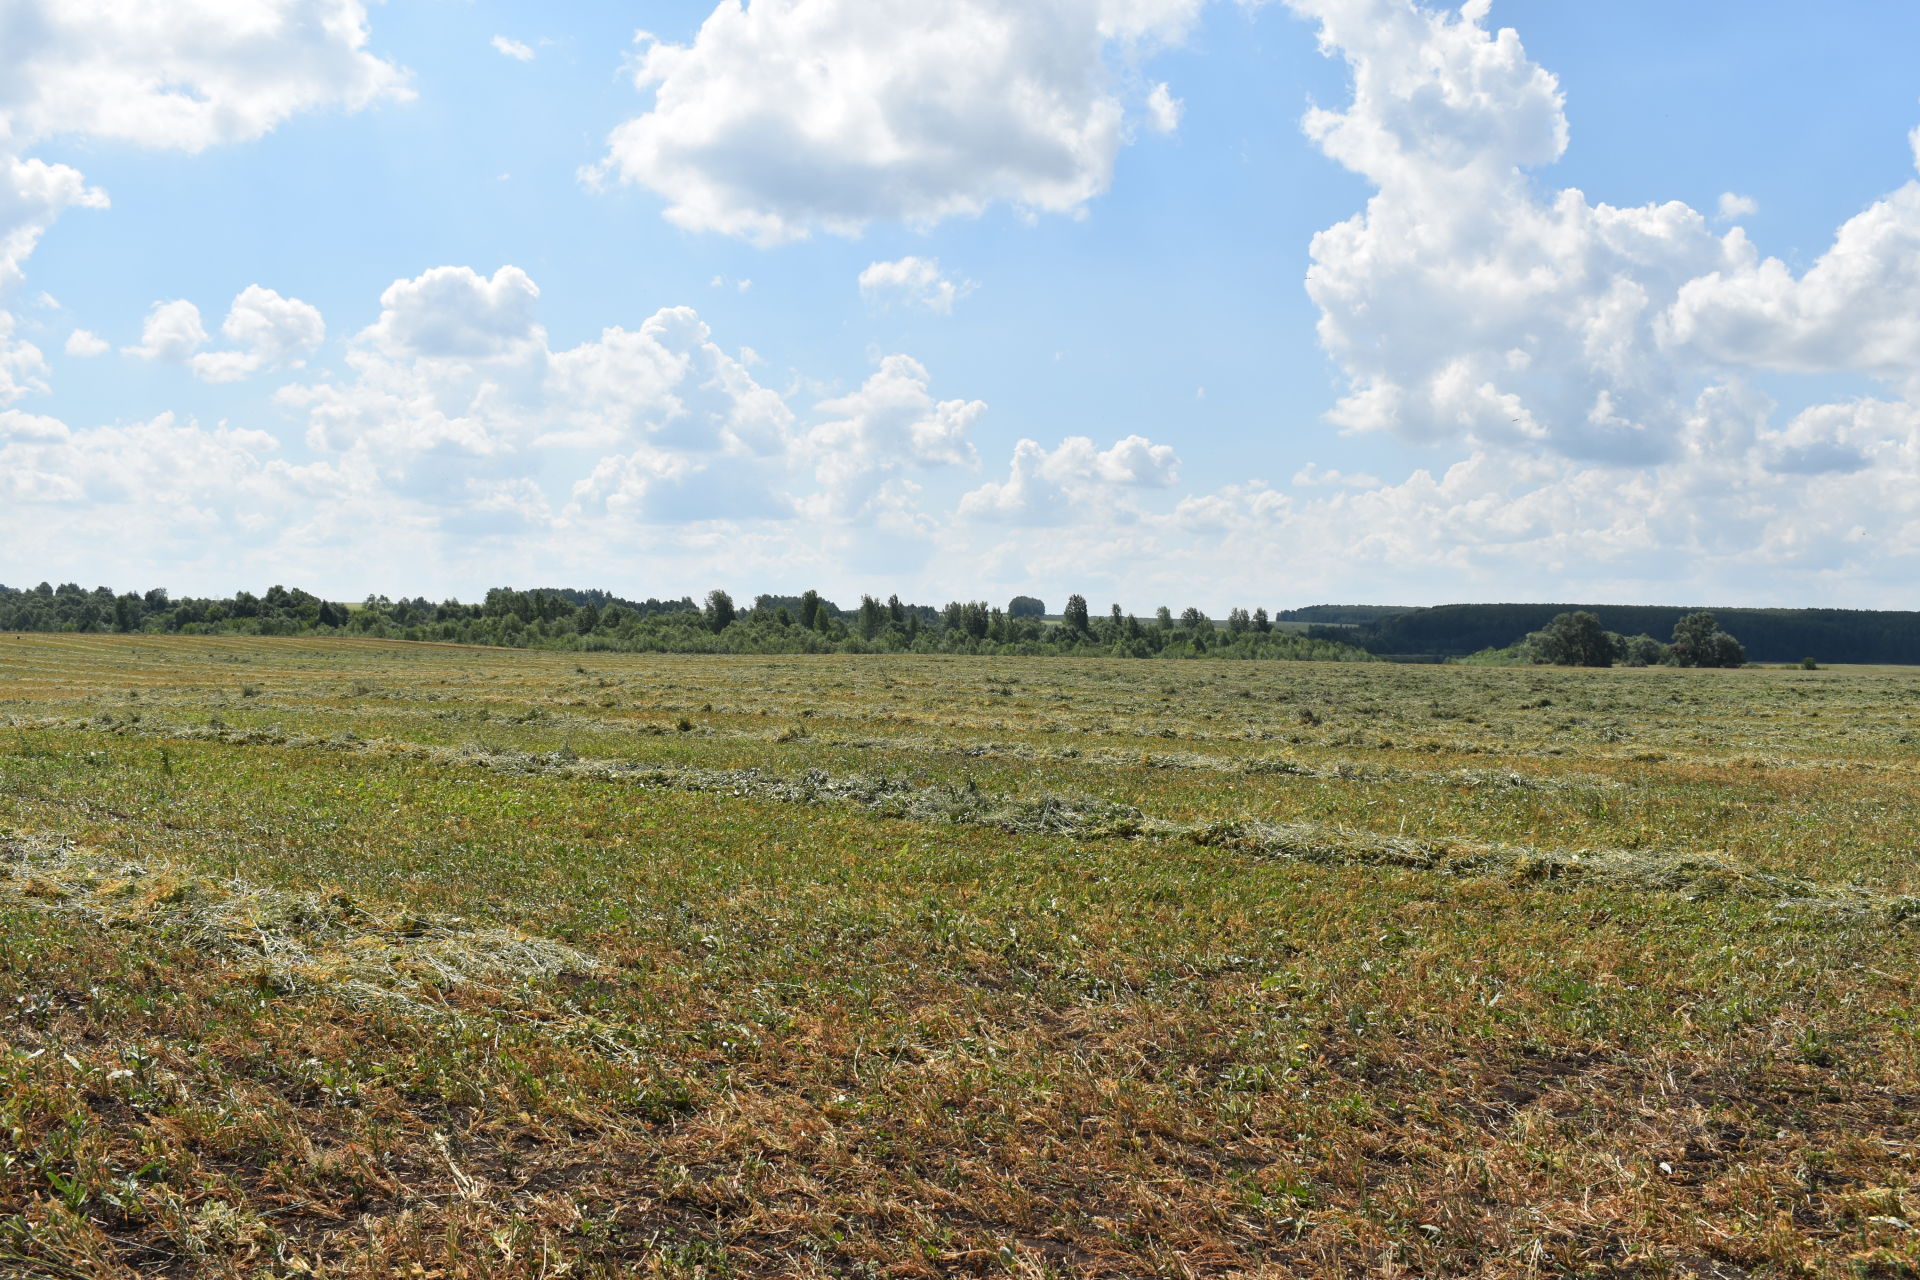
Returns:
(1693,874)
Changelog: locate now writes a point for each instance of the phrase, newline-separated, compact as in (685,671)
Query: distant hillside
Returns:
(1342,614)
(606,599)
(1770,635)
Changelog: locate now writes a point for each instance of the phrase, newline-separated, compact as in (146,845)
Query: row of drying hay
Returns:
(1634,869)
(1276,765)
(287,941)
(511,760)
(1690,873)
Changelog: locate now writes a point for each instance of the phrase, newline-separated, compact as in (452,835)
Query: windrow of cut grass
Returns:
(1690,872)
(840,1013)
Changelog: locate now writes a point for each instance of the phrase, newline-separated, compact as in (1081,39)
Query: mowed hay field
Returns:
(321,957)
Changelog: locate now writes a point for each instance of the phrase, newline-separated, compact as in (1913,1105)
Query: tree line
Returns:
(1576,639)
(565,618)
(1769,635)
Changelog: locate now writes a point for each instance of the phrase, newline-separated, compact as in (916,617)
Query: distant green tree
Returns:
(1574,640)
(1644,651)
(969,618)
(810,611)
(1261,623)
(1195,621)
(873,617)
(720,612)
(1239,621)
(1698,641)
(1074,619)
(1026,607)
(1163,618)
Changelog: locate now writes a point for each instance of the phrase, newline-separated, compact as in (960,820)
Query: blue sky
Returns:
(1608,301)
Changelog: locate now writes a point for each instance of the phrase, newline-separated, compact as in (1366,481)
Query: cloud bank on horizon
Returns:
(1604,383)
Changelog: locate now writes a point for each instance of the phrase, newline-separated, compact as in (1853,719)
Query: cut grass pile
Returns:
(288,942)
(425,961)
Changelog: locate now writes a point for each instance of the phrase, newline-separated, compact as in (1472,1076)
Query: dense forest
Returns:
(1770,635)
(563,618)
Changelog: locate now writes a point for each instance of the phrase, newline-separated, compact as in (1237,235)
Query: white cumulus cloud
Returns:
(912,282)
(172,332)
(515,49)
(23,368)
(1163,109)
(457,401)
(874,435)
(1074,483)
(187,74)
(784,117)
(32,195)
(1856,308)
(456,313)
(84,343)
(269,332)
(1464,302)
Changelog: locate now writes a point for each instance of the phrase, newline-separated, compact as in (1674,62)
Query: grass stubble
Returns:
(325,958)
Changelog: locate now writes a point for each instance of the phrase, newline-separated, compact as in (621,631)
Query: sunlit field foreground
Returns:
(321,957)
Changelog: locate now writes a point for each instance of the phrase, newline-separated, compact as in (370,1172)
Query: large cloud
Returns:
(32,194)
(783,117)
(187,74)
(268,331)
(1825,510)
(455,313)
(457,397)
(874,436)
(1464,303)
(1073,483)
(1857,308)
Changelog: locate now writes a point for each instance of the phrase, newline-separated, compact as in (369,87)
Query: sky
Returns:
(1197,302)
